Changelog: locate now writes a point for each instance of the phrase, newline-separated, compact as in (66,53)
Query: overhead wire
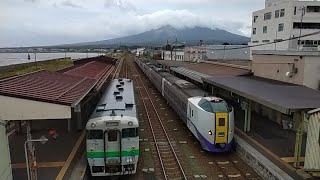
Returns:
(284,40)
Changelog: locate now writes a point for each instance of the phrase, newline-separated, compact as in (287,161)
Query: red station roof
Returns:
(47,86)
(64,87)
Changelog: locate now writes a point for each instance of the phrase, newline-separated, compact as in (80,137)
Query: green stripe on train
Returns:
(112,154)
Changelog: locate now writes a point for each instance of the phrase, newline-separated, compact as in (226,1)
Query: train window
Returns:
(137,131)
(222,122)
(192,113)
(220,106)
(94,134)
(206,106)
(112,136)
(128,132)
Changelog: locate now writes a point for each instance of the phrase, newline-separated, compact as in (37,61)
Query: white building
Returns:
(195,53)
(140,51)
(175,55)
(281,19)
(5,162)
(297,67)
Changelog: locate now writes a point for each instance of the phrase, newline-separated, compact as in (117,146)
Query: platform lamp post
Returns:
(43,140)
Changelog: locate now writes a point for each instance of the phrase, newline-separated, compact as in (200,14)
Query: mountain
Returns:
(159,37)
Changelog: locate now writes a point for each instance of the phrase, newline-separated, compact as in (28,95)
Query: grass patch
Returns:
(52,65)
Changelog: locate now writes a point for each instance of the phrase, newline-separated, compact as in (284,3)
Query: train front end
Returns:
(112,145)
(211,120)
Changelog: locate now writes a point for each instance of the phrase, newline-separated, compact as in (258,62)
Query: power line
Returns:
(291,38)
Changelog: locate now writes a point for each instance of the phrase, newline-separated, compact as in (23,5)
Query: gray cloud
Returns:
(122,4)
(53,22)
(69,3)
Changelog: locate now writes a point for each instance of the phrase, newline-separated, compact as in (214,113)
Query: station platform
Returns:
(268,142)
(55,159)
(55,105)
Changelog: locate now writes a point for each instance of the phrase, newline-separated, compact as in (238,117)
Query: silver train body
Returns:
(112,141)
(210,119)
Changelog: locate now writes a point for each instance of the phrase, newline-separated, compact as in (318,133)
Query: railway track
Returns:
(170,164)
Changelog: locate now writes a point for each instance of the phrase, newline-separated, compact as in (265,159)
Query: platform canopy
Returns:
(283,97)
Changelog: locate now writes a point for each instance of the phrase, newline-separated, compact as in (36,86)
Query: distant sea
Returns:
(18,58)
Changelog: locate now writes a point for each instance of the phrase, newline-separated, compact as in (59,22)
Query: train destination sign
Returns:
(109,124)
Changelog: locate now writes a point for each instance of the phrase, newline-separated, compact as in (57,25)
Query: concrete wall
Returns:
(217,52)
(5,162)
(312,72)
(276,66)
(22,109)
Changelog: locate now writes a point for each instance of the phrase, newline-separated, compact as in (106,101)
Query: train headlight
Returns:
(130,123)
(210,132)
(93,125)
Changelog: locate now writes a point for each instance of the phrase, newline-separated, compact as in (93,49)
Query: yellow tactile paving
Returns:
(290,159)
(40,165)
(70,157)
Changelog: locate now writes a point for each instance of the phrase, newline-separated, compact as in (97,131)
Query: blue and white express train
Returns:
(210,119)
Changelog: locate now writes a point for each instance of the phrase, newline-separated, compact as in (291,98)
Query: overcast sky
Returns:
(50,22)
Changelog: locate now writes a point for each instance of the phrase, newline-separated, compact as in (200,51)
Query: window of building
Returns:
(277,14)
(280,27)
(313,8)
(255,18)
(278,40)
(265,40)
(255,41)
(295,11)
(254,30)
(282,12)
(297,25)
(267,16)
(265,29)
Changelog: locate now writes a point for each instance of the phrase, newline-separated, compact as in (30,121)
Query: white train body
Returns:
(213,127)
(213,130)
(112,132)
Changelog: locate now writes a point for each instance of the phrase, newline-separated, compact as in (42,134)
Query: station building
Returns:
(284,19)
(43,101)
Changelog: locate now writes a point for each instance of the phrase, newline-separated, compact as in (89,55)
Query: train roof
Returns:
(117,100)
(187,87)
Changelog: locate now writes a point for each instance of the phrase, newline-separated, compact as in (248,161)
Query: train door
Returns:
(221,135)
(113,147)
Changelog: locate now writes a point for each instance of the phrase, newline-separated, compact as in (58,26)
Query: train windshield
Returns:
(94,134)
(214,106)
(130,132)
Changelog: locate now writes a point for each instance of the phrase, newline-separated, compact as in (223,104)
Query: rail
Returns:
(152,114)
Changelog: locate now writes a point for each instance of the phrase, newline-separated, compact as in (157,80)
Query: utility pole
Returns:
(276,40)
(175,50)
(35,60)
(303,12)
(32,172)
(224,51)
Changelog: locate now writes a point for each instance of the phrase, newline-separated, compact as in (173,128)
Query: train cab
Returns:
(211,120)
